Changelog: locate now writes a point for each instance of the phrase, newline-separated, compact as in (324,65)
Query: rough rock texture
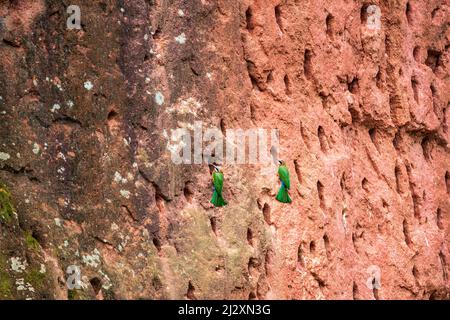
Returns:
(87,178)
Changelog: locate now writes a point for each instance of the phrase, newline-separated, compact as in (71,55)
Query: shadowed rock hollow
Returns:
(358,90)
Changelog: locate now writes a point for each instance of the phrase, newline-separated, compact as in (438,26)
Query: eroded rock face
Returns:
(359,92)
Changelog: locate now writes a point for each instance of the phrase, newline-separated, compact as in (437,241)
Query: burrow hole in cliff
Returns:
(322,139)
(444,266)
(250,236)
(312,247)
(287,85)
(188,191)
(158,33)
(326,242)
(406,233)
(353,85)
(253,267)
(157,243)
(445,112)
(223,127)
(354,240)
(307,64)
(267,213)
(113,121)
(213,222)
(251,75)
(330,24)
(433,59)
(409,13)
(396,142)
(268,260)
(415,272)
(365,184)
(355,290)
(373,137)
(249,19)
(447,181)
(278,17)
(96,284)
(439,221)
(342,182)
(297,171)
(415,87)
(399,179)
(427,148)
(320,192)
(300,254)
(364,15)
(375,289)
(252,296)
(435,11)
(190,294)
(270,77)
(379,79)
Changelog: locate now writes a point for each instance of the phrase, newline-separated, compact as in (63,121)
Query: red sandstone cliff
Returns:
(358,90)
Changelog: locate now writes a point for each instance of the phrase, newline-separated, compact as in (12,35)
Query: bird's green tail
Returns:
(283,195)
(217,200)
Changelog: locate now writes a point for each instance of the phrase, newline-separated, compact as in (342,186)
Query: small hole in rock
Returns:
(415,87)
(213,221)
(96,284)
(157,243)
(353,86)
(330,25)
(433,59)
(300,255)
(188,191)
(365,184)
(287,85)
(250,236)
(408,11)
(372,134)
(322,139)
(439,221)
(191,292)
(320,191)
(447,181)
(278,17)
(312,247)
(249,19)
(307,64)
(266,213)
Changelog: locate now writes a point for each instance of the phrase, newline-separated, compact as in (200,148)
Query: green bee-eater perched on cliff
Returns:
(217,176)
(283,193)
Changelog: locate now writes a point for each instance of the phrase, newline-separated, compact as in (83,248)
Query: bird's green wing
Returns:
(218,181)
(283,172)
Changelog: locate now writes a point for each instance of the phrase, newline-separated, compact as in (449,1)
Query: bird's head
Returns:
(281,162)
(217,168)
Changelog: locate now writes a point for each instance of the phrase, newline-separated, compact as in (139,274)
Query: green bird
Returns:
(217,177)
(283,193)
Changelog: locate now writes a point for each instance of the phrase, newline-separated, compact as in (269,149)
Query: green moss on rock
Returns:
(5,281)
(76,295)
(6,207)
(36,278)
(31,241)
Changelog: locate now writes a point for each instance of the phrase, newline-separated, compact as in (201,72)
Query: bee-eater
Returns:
(283,173)
(217,177)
